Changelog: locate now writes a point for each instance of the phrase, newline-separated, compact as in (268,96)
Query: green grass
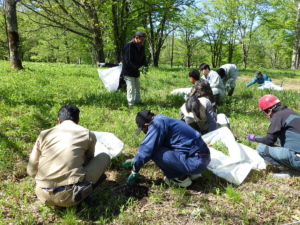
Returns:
(29,103)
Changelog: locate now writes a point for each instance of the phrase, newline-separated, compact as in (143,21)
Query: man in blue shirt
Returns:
(176,148)
(259,78)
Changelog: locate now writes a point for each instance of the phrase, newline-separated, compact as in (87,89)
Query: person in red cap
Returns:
(175,147)
(285,130)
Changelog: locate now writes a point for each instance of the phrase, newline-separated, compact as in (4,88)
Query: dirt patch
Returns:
(288,83)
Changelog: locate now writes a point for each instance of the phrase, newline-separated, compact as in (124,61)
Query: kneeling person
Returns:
(176,148)
(284,129)
(199,114)
(62,161)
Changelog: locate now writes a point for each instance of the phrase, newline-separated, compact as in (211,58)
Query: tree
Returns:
(296,46)
(189,27)
(79,17)
(13,35)
(161,15)
(4,48)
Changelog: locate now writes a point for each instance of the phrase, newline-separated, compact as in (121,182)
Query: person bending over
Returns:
(176,148)
(229,73)
(199,114)
(259,78)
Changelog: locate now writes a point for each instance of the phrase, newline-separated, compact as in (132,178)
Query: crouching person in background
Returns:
(176,148)
(285,130)
(63,164)
(199,114)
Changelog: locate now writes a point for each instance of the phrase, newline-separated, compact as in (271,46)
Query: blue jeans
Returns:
(278,155)
(175,164)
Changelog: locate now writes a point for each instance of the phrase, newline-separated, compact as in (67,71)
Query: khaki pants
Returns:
(133,90)
(93,171)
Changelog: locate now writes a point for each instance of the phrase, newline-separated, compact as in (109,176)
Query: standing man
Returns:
(214,80)
(229,73)
(284,129)
(134,57)
(63,162)
(259,78)
(176,148)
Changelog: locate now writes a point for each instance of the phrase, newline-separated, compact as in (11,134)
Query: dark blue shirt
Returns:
(171,133)
(284,128)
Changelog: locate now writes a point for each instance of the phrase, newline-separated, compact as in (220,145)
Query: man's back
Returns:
(60,153)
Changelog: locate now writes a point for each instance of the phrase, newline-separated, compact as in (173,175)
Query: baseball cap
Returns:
(141,118)
(257,73)
(140,34)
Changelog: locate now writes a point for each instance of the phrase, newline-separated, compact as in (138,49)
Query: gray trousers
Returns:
(278,155)
(133,90)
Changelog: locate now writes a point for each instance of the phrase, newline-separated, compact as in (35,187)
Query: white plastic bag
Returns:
(108,143)
(235,167)
(110,77)
(271,86)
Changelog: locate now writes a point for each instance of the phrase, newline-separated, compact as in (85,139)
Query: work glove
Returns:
(128,163)
(251,137)
(132,178)
(144,70)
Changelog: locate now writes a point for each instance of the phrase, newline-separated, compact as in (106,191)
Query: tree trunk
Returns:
(295,54)
(245,53)
(172,51)
(13,35)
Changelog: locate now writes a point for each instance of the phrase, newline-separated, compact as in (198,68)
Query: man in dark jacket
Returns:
(133,59)
(284,129)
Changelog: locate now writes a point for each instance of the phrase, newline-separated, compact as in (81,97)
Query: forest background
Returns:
(250,34)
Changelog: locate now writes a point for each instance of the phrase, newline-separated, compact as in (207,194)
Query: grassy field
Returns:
(29,103)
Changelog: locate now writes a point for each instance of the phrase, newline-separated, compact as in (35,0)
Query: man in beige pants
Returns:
(63,159)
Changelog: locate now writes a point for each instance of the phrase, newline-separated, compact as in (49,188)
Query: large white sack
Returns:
(271,86)
(179,91)
(108,143)
(110,77)
(235,167)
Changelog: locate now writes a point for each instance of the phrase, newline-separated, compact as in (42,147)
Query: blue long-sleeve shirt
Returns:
(260,81)
(167,132)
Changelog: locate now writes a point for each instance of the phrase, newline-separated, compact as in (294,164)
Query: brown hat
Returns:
(141,118)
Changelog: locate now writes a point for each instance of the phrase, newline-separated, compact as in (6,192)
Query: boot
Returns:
(230,92)
(217,99)
(195,126)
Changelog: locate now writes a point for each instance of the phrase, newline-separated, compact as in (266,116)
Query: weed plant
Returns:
(31,98)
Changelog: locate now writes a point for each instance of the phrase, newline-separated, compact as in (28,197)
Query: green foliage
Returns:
(220,146)
(29,102)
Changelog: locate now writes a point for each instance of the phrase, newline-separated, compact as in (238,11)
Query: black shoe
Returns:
(89,199)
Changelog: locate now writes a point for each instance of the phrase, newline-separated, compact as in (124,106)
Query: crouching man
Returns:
(199,114)
(176,148)
(285,130)
(63,163)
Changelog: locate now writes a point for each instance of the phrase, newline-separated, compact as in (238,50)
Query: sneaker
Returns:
(194,177)
(176,182)
(287,173)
